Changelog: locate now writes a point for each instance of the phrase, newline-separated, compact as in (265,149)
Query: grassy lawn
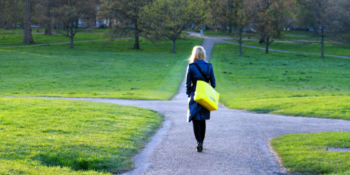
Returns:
(305,153)
(282,83)
(330,49)
(220,33)
(15,37)
(45,136)
(287,35)
(103,69)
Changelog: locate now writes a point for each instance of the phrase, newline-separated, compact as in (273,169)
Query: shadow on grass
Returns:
(75,161)
(82,160)
(263,111)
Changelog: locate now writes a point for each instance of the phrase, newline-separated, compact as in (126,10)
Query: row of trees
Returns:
(152,19)
(270,17)
(63,15)
(155,19)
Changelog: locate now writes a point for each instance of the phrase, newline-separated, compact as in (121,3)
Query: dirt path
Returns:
(236,141)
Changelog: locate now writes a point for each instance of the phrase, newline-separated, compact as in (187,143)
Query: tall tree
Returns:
(168,18)
(2,14)
(127,14)
(28,38)
(241,14)
(339,17)
(106,12)
(43,14)
(69,12)
(269,19)
(321,18)
(214,13)
(11,13)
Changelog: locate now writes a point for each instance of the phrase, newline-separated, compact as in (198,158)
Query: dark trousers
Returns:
(199,129)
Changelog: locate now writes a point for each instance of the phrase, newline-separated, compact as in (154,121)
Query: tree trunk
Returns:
(267,42)
(71,37)
(315,32)
(137,41)
(322,43)
(38,28)
(48,21)
(262,38)
(28,38)
(76,22)
(240,48)
(223,28)
(240,42)
(48,29)
(230,30)
(174,46)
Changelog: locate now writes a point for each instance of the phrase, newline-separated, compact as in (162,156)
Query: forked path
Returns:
(236,141)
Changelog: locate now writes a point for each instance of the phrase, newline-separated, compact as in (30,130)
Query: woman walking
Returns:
(198,69)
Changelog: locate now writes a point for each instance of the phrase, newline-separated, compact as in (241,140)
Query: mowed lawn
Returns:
(103,69)
(45,136)
(330,49)
(282,83)
(307,154)
(15,37)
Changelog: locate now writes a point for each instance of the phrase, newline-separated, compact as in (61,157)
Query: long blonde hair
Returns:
(198,53)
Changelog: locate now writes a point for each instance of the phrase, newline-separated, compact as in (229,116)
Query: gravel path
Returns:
(236,141)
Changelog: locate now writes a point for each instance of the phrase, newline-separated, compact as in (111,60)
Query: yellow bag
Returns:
(206,96)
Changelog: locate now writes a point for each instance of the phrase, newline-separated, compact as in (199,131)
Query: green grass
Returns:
(330,49)
(305,153)
(101,69)
(287,35)
(220,33)
(282,83)
(45,136)
(301,37)
(15,38)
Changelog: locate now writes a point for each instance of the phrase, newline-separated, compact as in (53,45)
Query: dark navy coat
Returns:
(195,110)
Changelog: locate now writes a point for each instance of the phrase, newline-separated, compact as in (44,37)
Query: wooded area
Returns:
(156,19)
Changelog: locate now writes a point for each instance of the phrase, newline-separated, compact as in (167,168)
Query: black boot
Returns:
(200,147)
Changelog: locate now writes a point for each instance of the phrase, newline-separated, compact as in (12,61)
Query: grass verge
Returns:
(102,69)
(286,35)
(282,83)
(330,49)
(45,136)
(15,37)
(306,153)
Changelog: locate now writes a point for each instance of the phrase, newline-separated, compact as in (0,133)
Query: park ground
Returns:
(277,83)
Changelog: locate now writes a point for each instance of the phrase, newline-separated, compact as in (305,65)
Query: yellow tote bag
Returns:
(206,96)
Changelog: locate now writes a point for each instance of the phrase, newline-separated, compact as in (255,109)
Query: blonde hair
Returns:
(198,53)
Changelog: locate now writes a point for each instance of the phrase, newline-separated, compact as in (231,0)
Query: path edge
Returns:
(142,159)
(277,158)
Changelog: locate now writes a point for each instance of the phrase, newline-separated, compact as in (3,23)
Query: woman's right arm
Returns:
(188,82)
